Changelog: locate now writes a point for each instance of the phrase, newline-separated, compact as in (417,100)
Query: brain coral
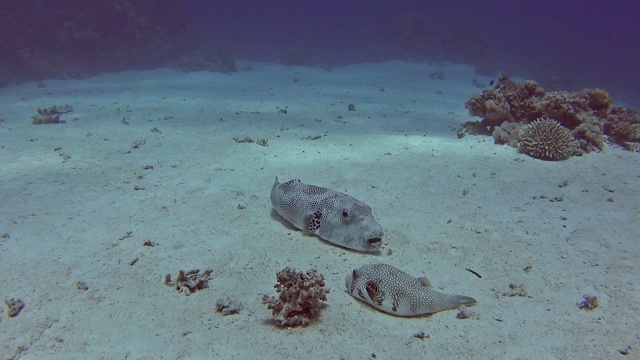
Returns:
(546,139)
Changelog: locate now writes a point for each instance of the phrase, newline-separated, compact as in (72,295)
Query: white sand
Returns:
(398,152)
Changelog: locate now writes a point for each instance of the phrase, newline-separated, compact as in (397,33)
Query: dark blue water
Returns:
(564,45)
(596,42)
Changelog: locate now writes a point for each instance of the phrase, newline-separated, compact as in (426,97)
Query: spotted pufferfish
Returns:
(395,292)
(331,215)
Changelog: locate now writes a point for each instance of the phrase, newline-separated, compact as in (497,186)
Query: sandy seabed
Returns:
(151,157)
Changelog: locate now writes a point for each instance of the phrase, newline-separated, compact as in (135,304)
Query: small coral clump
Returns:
(51,115)
(589,302)
(546,139)
(190,281)
(301,297)
(228,306)
(15,306)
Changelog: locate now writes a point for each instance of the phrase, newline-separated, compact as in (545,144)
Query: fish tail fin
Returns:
(461,300)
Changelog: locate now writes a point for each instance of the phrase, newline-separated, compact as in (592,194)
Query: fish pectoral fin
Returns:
(425,282)
(375,293)
(312,222)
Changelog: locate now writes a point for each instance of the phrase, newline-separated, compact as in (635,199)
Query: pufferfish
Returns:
(331,215)
(395,292)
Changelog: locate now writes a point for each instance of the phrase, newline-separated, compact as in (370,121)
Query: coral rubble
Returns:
(15,306)
(588,302)
(228,306)
(301,297)
(190,281)
(590,114)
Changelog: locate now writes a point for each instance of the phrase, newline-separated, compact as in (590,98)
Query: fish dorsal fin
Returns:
(425,282)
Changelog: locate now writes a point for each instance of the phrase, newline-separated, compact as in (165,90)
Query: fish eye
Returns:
(355,274)
(372,289)
(345,213)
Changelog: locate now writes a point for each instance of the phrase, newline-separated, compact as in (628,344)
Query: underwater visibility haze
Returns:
(319,179)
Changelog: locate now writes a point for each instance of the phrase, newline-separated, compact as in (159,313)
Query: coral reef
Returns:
(301,297)
(588,114)
(507,133)
(623,128)
(589,136)
(190,281)
(546,139)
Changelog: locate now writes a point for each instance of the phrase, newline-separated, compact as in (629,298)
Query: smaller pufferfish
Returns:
(395,292)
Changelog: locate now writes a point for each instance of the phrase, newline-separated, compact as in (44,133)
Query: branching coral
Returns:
(301,297)
(546,139)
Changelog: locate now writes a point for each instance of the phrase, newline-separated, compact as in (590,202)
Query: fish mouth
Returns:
(374,241)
